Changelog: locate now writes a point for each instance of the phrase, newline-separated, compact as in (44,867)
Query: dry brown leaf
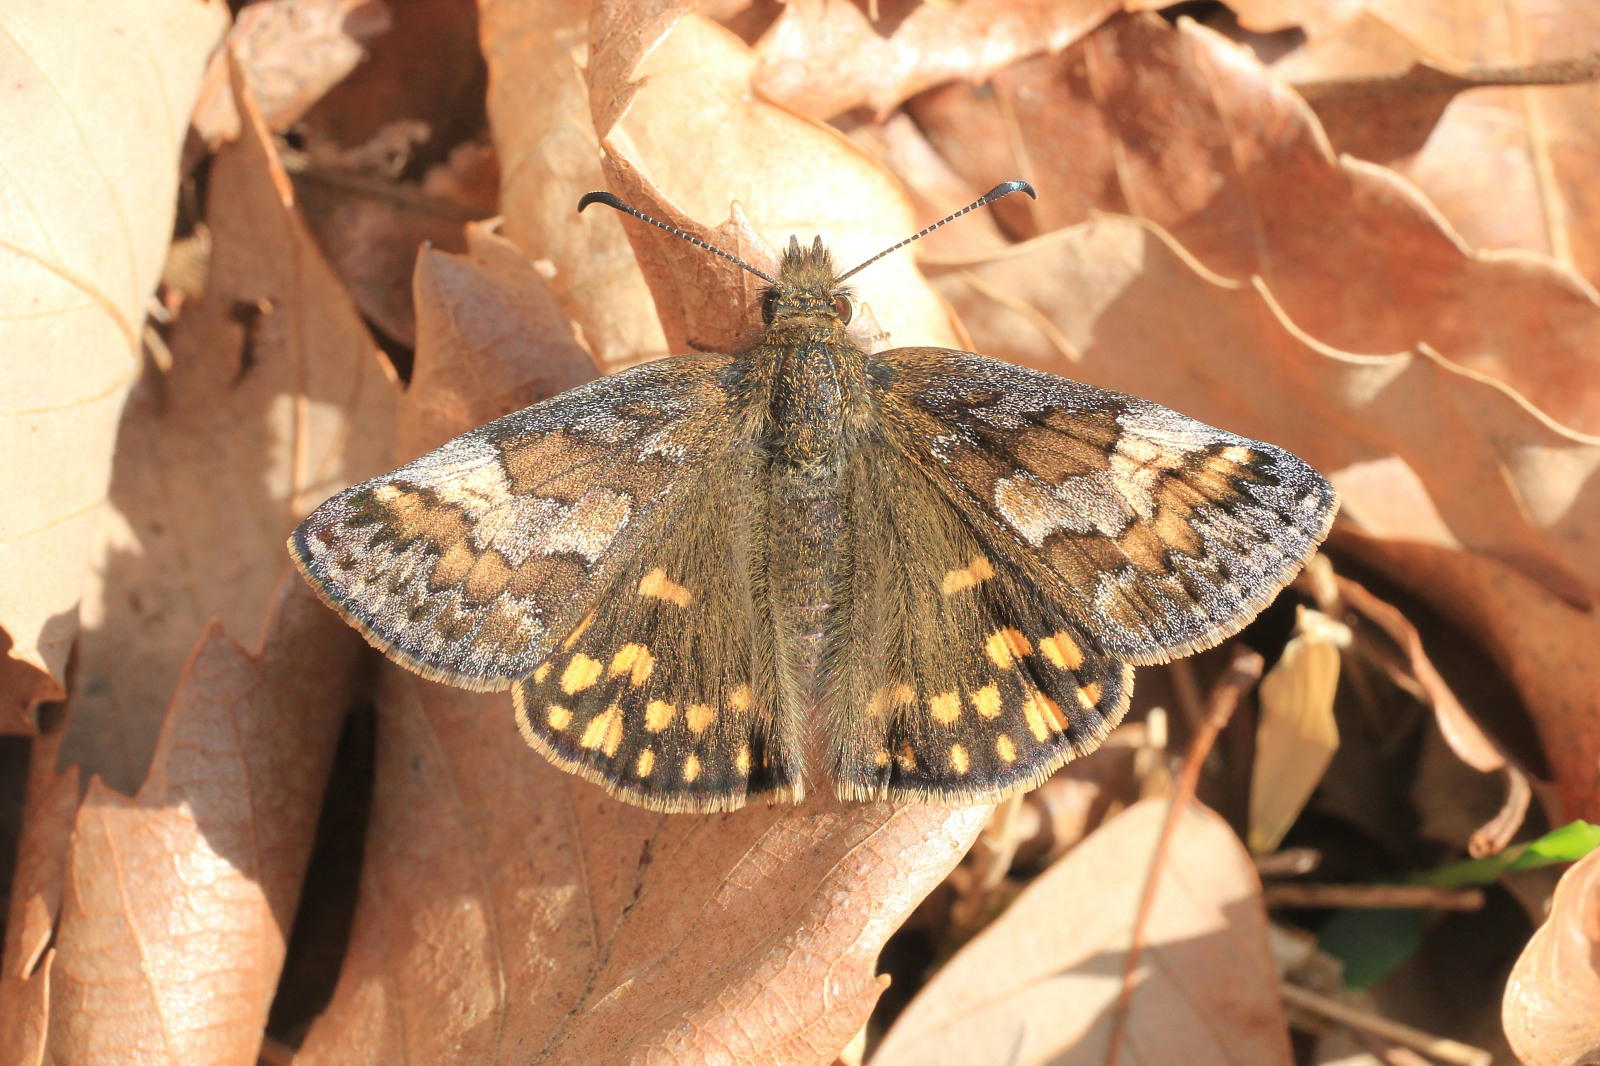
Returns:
(371,230)
(1387,116)
(549,157)
(511,912)
(276,399)
(1040,985)
(417,93)
(1471,745)
(1182,127)
(1545,645)
(1084,794)
(1552,1005)
(292,52)
(694,134)
(175,904)
(1509,167)
(936,188)
(1466,739)
(86,223)
(1463,493)
(824,57)
(494,334)
(49,811)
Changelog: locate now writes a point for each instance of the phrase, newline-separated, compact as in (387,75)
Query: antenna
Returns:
(1005,188)
(611,200)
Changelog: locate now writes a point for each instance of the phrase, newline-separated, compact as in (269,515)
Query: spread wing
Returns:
(597,553)
(1156,534)
(469,564)
(1016,541)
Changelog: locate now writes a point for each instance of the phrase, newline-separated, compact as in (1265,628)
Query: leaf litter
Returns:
(1434,703)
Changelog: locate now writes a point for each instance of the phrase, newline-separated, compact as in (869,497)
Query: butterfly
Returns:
(923,575)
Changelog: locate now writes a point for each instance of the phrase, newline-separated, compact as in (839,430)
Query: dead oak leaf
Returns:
(88,193)
(1042,982)
(823,57)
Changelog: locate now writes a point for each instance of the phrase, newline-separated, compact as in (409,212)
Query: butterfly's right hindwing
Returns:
(952,679)
(469,564)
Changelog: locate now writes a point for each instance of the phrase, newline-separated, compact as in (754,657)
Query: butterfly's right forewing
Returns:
(1158,534)
(470,564)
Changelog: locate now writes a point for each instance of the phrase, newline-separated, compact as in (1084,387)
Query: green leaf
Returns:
(1371,943)
(1567,844)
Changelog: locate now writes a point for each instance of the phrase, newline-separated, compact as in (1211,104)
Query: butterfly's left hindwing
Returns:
(666,692)
(469,564)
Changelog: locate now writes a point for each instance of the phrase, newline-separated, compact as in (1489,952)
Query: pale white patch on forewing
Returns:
(588,527)
(1100,503)
(1028,507)
(1086,504)
(475,488)
(1134,481)
(515,528)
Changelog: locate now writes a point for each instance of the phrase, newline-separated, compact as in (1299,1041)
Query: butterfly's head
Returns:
(807,287)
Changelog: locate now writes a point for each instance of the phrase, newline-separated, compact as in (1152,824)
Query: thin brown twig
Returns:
(1186,693)
(1419,897)
(1388,1052)
(1438,1047)
(1425,78)
(1243,671)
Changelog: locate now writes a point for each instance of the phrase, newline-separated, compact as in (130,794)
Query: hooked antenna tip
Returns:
(609,199)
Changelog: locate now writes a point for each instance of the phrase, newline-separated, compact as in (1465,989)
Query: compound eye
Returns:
(769,304)
(844,308)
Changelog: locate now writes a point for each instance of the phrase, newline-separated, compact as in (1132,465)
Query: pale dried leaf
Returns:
(1453,33)
(1040,985)
(1296,734)
(494,334)
(292,52)
(1552,1004)
(702,143)
(549,156)
(277,398)
(87,217)
(824,57)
